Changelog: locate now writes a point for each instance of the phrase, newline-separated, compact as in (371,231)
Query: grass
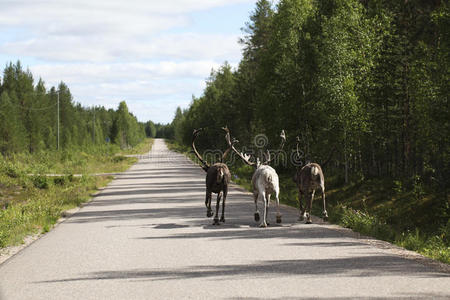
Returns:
(33,204)
(142,148)
(405,213)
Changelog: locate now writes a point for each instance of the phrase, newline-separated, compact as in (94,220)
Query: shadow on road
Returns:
(364,266)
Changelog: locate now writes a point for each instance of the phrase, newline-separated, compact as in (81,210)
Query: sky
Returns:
(154,54)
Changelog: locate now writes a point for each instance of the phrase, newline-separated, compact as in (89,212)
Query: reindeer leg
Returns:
(309,207)
(208,204)
(264,223)
(278,208)
(324,213)
(216,216)
(302,211)
(267,208)
(256,196)
(225,192)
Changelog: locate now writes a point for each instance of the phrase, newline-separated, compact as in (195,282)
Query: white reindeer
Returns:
(264,182)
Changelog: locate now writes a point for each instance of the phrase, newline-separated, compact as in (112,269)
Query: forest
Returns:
(46,139)
(30,114)
(369,79)
(363,84)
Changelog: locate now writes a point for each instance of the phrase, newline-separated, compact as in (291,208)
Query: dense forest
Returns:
(159,130)
(370,78)
(30,114)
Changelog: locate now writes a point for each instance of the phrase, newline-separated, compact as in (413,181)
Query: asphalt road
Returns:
(146,236)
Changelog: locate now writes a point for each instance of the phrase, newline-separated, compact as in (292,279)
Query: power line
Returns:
(58,120)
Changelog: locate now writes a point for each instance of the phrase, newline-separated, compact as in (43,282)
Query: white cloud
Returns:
(102,17)
(158,87)
(176,46)
(100,73)
(111,50)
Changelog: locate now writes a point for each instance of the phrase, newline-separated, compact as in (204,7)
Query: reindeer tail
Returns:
(314,171)
(270,181)
(220,174)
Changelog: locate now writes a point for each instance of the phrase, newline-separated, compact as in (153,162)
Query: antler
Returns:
(283,140)
(229,141)
(244,157)
(298,142)
(194,136)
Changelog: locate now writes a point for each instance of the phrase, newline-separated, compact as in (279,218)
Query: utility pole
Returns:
(93,127)
(58,120)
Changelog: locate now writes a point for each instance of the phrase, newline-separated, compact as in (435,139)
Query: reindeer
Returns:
(308,179)
(264,181)
(218,177)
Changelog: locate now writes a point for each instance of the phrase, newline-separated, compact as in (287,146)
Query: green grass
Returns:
(142,148)
(33,204)
(404,213)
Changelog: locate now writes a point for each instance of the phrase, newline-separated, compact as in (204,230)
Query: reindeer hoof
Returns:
(262,225)
(216,221)
(278,219)
(256,217)
(222,219)
(309,221)
(209,213)
(325,218)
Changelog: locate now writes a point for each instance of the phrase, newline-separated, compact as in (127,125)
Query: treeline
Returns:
(158,130)
(369,78)
(29,117)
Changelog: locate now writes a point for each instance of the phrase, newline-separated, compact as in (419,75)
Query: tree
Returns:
(12,132)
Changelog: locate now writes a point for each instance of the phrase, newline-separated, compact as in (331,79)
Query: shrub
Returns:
(118,158)
(60,180)
(445,233)
(12,170)
(412,241)
(40,182)
(362,222)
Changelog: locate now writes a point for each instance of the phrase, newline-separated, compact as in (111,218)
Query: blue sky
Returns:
(154,55)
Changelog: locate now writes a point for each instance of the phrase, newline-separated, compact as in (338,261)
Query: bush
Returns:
(12,170)
(362,222)
(40,182)
(60,180)
(412,241)
(445,233)
(118,158)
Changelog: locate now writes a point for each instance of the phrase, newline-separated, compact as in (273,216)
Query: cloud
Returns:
(102,18)
(158,87)
(119,72)
(191,46)
(144,52)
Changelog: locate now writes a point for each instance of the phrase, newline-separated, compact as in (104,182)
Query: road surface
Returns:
(146,236)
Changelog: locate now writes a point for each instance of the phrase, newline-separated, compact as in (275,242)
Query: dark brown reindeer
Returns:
(218,177)
(308,179)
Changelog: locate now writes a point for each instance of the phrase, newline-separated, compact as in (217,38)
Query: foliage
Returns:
(367,78)
(29,115)
(33,203)
(435,246)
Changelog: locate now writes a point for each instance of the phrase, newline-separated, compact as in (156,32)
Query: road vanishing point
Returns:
(146,236)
